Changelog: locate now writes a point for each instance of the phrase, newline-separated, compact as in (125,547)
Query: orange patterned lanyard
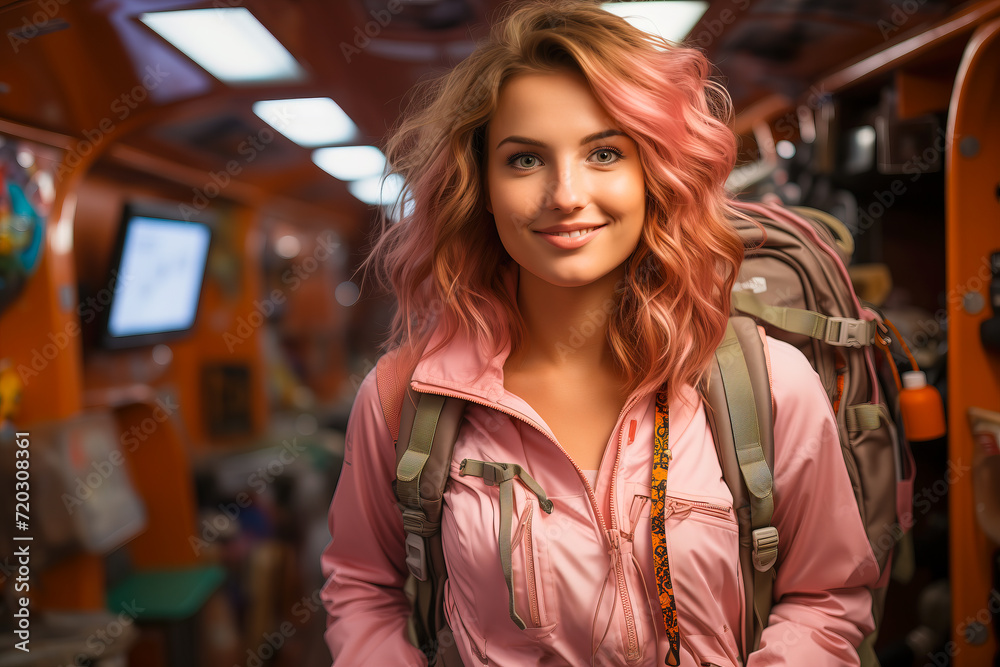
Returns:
(661,463)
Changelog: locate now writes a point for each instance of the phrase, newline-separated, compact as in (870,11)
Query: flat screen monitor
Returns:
(159,266)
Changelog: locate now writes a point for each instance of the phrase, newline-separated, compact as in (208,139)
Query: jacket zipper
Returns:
(683,508)
(632,652)
(536,616)
(632,649)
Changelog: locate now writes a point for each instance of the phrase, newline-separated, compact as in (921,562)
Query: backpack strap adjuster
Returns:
(417,523)
(849,332)
(765,548)
(418,528)
(416,556)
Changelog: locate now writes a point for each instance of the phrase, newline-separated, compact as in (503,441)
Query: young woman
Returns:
(566,254)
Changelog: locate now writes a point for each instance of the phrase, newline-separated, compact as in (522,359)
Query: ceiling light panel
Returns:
(230,43)
(309,121)
(670,19)
(350,163)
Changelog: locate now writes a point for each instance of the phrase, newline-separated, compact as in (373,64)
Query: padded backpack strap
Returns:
(429,426)
(739,386)
(425,429)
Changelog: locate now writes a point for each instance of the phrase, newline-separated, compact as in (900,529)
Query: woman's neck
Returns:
(566,327)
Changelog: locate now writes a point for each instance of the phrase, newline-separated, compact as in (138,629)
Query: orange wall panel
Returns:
(973,233)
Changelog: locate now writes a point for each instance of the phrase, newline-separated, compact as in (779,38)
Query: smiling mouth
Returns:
(574,234)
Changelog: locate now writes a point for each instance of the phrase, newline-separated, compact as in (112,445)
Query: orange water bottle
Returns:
(923,411)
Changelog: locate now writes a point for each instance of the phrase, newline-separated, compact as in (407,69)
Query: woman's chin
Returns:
(575,278)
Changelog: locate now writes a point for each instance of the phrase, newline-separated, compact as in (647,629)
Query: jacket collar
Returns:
(466,364)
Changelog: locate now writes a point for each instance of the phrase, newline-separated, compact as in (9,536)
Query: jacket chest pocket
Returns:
(710,511)
(677,507)
(520,507)
(702,537)
(531,574)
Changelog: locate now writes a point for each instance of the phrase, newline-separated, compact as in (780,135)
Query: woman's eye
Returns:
(606,155)
(603,156)
(524,161)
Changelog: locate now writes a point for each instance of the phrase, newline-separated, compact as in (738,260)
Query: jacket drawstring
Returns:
(613,552)
(616,540)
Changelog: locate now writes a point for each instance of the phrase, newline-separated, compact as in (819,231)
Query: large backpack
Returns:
(794,283)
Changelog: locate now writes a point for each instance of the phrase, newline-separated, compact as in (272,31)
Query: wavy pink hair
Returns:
(444,260)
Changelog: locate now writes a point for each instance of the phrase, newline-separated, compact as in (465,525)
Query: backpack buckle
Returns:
(418,529)
(765,548)
(848,332)
(416,556)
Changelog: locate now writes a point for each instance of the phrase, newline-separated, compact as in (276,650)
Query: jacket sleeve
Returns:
(364,564)
(826,568)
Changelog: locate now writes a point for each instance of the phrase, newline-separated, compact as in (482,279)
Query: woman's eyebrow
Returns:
(604,134)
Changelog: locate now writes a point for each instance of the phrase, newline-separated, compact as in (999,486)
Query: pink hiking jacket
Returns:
(583,580)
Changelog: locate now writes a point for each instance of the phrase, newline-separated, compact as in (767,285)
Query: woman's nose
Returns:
(568,191)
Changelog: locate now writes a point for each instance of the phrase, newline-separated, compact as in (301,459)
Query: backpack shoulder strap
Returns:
(425,429)
(740,412)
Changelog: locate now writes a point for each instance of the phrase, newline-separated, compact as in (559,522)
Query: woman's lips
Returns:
(571,240)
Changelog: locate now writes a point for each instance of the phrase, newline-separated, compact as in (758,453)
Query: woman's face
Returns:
(564,183)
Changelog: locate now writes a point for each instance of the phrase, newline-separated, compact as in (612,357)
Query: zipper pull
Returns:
(614,539)
(638,504)
(631,432)
(612,534)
